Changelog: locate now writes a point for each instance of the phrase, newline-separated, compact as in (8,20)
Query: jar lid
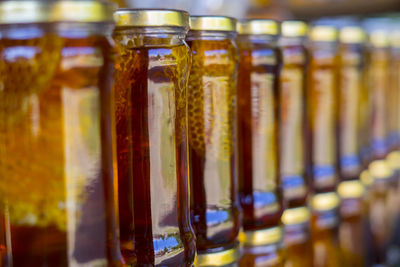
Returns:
(261,237)
(379,38)
(352,35)
(380,169)
(30,11)
(294,28)
(325,201)
(212,23)
(126,17)
(295,216)
(350,189)
(221,258)
(258,27)
(323,33)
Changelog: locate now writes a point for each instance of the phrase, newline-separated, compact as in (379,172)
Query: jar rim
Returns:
(258,27)
(31,11)
(127,17)
(212,23)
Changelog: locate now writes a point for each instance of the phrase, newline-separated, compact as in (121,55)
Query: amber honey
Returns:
(56,136)
(212,134)
(151,75)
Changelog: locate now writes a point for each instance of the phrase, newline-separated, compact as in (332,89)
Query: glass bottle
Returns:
(324,230)
(212,139)
(321,108)
(151,75)
(258,81)
(56,158)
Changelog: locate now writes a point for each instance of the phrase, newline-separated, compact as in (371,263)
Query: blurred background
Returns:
(338,11)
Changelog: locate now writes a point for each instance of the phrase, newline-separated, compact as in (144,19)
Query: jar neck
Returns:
(210,35)
(149,36)
(63,29)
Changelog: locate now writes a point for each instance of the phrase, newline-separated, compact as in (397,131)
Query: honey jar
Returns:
(151,76)
(57,201)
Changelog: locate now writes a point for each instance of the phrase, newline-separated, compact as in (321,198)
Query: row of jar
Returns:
(161,151)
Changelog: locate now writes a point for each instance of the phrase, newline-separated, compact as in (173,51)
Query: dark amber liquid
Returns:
(292,123)
(56,136)
(264,256)
(257,135)
(321,112)
(324,233)
(298,244)
(211,100)
(349,95)
(352,236)
(150,95)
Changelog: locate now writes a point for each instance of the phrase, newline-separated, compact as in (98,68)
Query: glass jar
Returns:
(292,113)
(212,134)
(267,251)
(56,158)
(258,78)
(321,108)
(351,64)
(258,81)
(324,230)
(353,216)
(151,75)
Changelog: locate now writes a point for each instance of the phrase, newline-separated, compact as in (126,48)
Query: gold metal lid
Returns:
(393,160)
(126,17)
(218,258)
(258,27)
(323,33)
(350,189)
(379,38)
(212,23)
(294,28)
(352,35)
(366,178)
(261,237)
(29,11)
(325,201)
(295,216)
(380,169)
